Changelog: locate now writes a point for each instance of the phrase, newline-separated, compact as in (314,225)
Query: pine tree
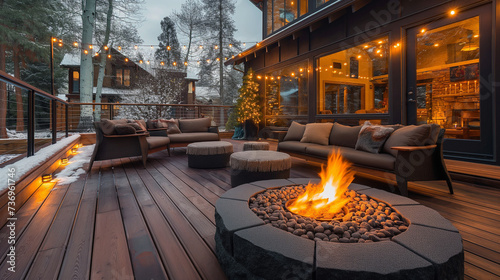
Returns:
(248,104)
(221,45)
(169,51)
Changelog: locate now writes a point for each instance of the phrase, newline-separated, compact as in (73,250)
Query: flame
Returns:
(327,198)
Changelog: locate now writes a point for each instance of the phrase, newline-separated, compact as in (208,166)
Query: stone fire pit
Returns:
(247,248)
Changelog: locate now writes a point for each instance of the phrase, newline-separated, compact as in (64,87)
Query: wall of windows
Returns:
(355,80)
(286,95)
(448,82)
(281,12)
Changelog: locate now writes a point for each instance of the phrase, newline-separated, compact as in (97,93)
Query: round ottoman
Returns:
(250,166)
(255,146)
(210,154)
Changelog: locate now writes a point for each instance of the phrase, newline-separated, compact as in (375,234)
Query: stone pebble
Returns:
(364,220)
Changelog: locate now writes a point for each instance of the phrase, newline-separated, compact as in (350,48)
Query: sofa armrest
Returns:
(158,131)
(126,135)
(413,148)
(213,129)
(281,135)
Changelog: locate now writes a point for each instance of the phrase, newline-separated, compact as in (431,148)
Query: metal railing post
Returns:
(54,120)
(67,119)
(31,123)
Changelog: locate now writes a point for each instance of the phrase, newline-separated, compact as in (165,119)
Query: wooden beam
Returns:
(333,17)
(359,4)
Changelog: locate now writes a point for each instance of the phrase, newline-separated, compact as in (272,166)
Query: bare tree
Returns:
(189,21)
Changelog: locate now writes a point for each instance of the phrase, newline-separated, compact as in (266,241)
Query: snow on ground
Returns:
(47,133)
(25,165)
(74,169)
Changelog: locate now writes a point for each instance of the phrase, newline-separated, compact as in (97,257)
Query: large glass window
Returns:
(282,12)
(448,78)
(286,94)
(355,80)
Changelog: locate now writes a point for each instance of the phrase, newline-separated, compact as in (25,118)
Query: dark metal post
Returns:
(54,120)
(31,123)
(111,111)
(66,106)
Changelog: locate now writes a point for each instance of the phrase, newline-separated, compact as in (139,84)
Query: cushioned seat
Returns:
(255,146)
(156,142)
(382,160)
(295,146)
(250,166)
(193,137)
(209,154)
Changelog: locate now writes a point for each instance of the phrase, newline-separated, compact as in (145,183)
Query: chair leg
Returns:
(90,165)
(402,186)
(168,149)
(448,181)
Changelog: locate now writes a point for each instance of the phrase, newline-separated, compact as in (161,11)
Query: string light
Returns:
(218,59)
(198,62)
(162,63)
(90,46)
(85,51)
(174,63)
(422,31)
(168,48)
(216,47)
(126,59)
(201,47)
(54,39)
(152,47)
(96,54)
(230,45)
(75,44)
(184,47)
(135,47)
(119,48)
(208,60)
(453,12)
(109,56)
(185,63)
(106,48)
(147,62)
(140,61)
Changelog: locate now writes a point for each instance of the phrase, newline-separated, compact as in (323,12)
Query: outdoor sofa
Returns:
(412,153)
(128,138)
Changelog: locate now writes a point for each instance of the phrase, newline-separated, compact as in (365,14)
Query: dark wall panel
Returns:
(303,38)
(289,48)
(328,33)
(273,55)
(369,18)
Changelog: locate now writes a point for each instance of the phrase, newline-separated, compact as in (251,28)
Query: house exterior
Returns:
(396,61)
(122,76)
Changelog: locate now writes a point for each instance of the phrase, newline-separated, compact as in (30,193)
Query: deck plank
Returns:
(125,221)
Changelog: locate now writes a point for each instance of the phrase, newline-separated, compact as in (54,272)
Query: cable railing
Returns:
(31,118)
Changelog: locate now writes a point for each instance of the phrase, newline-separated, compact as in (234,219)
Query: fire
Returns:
(327,198)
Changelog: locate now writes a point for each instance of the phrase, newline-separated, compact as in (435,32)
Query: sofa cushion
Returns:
(372,137)
(156,142)
(383,161)
(295,132)
(411,135)
(108,127)
(171,124)
(318,133)
(142,124)
(344,136)
(294,146)
(193,137)
(194,125)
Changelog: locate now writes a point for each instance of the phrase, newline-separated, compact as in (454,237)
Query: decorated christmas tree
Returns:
(248,106)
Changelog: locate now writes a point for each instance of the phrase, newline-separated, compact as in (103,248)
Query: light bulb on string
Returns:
(106,47)
(119,48)
(135,47)
(162,63)
(90,46)
(109,56)
(75,44)
(168,48)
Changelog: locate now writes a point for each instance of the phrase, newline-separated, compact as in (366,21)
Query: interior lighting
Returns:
(64,161)
(359,56)
(366,46)
(477,35)
(422,31)
(380,42)
(436,45)
(453,12)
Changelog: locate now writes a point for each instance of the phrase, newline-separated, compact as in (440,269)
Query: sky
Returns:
(247,19)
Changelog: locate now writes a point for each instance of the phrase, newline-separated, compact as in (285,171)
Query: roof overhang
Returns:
(332,11)
(258,3)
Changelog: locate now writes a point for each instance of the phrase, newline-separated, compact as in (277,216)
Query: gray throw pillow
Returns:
(122,129)
(344,136)
(295,132)
(108,126)
(372,137)
(317,133)
(408,136)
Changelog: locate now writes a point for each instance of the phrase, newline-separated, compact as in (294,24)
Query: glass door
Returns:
(445,66)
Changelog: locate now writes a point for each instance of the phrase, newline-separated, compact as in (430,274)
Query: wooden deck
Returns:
(123,221)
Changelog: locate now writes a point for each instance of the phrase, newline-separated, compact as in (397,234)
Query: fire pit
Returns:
(278,229)
(248,247)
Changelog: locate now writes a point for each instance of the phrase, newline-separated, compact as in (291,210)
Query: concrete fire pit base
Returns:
(247,248)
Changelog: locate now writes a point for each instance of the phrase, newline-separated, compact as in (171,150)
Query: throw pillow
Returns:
(372,137)
(317,133)
(344,135)
(194,125)
(142,124)
(123,129)
(108,126)
(135,126)
(408,136)
(295,132)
